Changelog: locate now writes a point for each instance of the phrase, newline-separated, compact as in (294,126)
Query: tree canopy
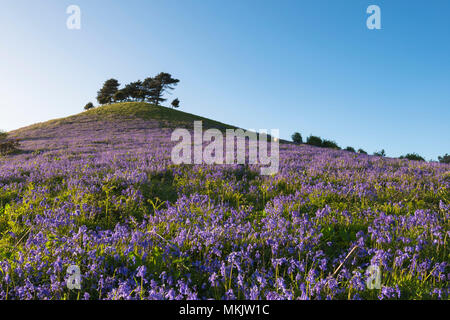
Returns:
(314,141)
(297,138)
(412,156)
(444,159)
(106,93)
(152,90)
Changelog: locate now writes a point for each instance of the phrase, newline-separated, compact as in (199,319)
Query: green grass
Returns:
(166,117)
(131,110)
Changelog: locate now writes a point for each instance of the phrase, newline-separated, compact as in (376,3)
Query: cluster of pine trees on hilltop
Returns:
(151,90)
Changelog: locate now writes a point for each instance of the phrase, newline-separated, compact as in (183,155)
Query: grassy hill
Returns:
(120,126)
(99,190)
(166,117)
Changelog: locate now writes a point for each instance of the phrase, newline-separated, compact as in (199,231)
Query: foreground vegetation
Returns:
(111,202)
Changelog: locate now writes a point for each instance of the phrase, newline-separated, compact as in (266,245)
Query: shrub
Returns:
(9,146)
(297,138)
(89,106)
(314,141)
(444,159)
(330,144)
(175,103)
(350,149)
(381,153)
(362,151)
(412,156)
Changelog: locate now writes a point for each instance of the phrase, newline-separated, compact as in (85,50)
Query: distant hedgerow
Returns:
(350,149)
(412,156)
(444,159)
(314,141)
(380,153)
(330,144)
(324,143)
(362,151)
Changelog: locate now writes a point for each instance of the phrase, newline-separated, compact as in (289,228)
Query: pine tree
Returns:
(106,94)
(120,96)
(160,84)
(134,90)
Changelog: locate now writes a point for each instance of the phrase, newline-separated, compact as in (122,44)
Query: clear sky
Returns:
(309,66)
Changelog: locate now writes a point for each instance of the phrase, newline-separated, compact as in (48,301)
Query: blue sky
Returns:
(307,66)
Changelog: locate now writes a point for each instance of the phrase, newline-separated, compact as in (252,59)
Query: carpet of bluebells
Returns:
(105,196)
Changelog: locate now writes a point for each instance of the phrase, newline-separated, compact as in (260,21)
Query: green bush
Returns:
(297,138)
(362,151)
(8,146)
(3,135)
(444,159)
(314,141)
(381,153)
(175,103)
(412,156)
(350,149)
(89,106)
(330,144)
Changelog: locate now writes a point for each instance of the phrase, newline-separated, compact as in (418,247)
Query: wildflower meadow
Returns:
(99,191)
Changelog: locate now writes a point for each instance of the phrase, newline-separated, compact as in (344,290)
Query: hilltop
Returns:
(126,111)
(110,125)
(123,126)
